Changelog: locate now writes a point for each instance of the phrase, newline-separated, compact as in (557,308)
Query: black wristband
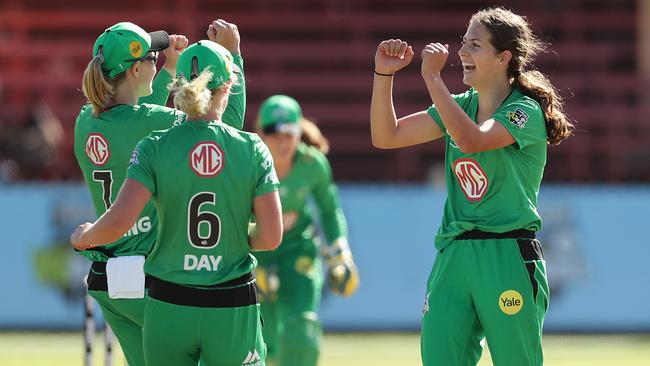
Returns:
(378,73)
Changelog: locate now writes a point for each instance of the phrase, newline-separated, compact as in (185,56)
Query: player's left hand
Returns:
(177,44)
(434,58)
(342,273)
(76,239)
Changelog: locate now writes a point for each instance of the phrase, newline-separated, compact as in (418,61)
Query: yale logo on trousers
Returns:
(204,262)
(97,149)
(511,302)
(206,159)
(471,178)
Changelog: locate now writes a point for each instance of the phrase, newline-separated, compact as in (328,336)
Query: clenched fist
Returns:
(177,44)
(76,237)
(392,55)
(226,34)
(434,58)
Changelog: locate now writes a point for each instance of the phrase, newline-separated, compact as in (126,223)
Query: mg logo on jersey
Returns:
(471,178)
(207,159)
(97,149)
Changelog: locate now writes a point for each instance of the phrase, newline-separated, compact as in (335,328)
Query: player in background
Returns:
(123,107)
(489,277)
(205,178)
(290,278)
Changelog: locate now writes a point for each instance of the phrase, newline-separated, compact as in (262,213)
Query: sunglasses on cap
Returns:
(293,129)
(153,56)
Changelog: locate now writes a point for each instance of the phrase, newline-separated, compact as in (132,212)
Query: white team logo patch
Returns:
(471,178)
(271,177)
(97,149)
(518,117)
(207,159)
(252,359)
(134,158)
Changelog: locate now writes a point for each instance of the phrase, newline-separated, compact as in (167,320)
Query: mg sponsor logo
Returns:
(206,159)
(471,178)
(97,149)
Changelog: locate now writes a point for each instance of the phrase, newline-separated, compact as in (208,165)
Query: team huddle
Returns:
(206,250)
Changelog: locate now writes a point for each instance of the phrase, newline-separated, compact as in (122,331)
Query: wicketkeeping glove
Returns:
(342,274)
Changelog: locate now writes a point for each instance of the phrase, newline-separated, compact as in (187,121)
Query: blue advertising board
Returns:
(594,240)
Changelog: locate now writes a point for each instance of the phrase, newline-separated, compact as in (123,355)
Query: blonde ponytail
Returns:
(193,98)
(98,89)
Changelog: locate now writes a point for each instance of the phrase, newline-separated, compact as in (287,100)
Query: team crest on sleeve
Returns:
(271,177)
(207,159)
(134,158)
(471,178)
(97,149)
(518,117)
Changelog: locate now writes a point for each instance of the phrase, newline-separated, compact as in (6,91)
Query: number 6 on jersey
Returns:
(195,219)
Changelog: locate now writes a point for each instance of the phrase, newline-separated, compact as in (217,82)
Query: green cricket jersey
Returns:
(103,147)
(310,176)
(203,177)
(496,190)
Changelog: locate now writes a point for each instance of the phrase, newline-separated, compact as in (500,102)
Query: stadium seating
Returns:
(321,52)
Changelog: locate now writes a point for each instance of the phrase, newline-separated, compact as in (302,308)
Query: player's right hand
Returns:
(177,44)
(434,58)
(76,239)
(392,55)
(226,34)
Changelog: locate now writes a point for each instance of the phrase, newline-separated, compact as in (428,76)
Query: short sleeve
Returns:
(266,178)
(461,99)
(524,119)
(141,165)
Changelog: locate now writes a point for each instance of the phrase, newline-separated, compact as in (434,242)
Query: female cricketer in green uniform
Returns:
(123,108)
(292,330)
(489,278)
(205,178)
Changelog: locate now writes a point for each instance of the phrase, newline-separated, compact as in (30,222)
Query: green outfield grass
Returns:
(351,349)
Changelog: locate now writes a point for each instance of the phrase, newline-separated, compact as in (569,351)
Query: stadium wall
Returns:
(594,240)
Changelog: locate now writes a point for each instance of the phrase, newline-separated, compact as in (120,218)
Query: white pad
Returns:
(125,277)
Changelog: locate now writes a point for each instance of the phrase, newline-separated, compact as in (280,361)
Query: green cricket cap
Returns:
(278,112)
(208,55)
(124,43)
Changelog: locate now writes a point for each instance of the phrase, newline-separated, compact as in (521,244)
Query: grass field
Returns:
(351,349)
